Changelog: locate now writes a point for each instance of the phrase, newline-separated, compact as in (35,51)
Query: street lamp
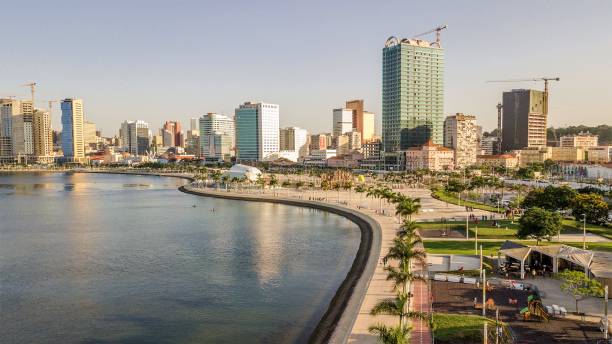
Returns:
(584,231)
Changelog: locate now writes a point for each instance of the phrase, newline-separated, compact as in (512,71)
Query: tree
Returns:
(407,207)
(577,284)
(391,335)
(397,306)
(539,224)
(360,189)
(593,206)
(408,230)
(550,198)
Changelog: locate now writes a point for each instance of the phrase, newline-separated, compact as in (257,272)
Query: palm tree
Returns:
(390,335)
(372,192)
(216,176)
(224,179)
(407,207)
(397,306)
(408,229)
(401,277)
(261,181)
(405,251)
(348,185)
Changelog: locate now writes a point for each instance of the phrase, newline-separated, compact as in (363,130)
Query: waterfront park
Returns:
(464,257)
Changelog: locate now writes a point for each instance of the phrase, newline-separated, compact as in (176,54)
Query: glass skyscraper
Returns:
(257,131)
(73,143)
(412,94)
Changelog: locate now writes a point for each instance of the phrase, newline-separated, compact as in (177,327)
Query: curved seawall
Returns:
(336,324)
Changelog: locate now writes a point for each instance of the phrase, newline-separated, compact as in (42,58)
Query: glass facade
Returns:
(67,128)
(247,144)
(412,94)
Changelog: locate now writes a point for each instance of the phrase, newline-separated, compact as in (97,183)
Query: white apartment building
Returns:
(342,121)
(216,136)
(461,134)
(295,139)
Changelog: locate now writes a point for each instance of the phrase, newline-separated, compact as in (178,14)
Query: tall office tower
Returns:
(43,138)
(523,120)
(343,121)
(294,139)
(177,135)
(257,131)
(18,134)
(412,94)
(6,114)
(167,137)
(363,121)
(135,137)
(212,145)
(193,124)
(461,135)
(368,132)
(73,143)
(89,135)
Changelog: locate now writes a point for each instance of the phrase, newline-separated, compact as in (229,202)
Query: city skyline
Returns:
(301,75)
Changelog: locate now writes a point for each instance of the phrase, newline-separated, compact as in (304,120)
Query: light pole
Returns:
(584,231)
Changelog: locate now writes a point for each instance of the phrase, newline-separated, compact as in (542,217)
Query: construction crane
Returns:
(32,86)
(545,105)
(437,31)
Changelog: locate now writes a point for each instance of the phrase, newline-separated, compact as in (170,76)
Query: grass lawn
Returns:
(490,248)
(485,228)
(458,328)
(445,197)
(572,225)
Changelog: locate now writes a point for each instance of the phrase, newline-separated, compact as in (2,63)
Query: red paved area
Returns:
(421,333)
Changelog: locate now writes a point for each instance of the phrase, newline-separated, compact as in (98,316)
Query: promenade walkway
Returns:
(379,288)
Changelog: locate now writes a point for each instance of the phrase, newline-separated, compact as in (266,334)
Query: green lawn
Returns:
(458,328)
(446,197)
(487,231)
(490,248)
(572,225)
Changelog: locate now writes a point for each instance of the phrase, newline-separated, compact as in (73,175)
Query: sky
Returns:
(172,60)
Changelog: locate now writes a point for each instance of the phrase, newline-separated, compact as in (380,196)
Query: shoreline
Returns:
(337,322)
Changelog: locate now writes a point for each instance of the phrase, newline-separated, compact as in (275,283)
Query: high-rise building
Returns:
(193,124)
(23,131)
(7,111)
(43,138)
(412,94)
(217,134)
(488,145)
(294,139)
(341,144)
(523,120)
(73,143)
(135,137)
(178,138)
(461,135)
(257,131)
(90,136)
(318,142)
(363,121)
(354,140)
(343,121)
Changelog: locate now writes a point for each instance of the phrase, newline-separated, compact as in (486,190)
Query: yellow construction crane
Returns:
(32,86)
(437,31)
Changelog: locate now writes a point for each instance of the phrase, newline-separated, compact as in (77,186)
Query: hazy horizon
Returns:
(153,61)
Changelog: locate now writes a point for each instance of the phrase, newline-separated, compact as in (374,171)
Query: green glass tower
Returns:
(412,94)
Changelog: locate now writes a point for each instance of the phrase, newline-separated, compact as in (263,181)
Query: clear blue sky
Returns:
(163,60)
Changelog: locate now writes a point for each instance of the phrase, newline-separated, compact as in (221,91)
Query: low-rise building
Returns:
(500,160)
(531,155)
(430,156)
(568,154)
(582,140)
(346,161)
(600,154)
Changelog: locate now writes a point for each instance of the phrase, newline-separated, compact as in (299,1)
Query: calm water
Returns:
(109,258)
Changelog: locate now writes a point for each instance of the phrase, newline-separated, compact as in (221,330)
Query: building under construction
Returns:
(524,119)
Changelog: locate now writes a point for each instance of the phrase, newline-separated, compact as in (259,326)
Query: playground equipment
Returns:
(534,310)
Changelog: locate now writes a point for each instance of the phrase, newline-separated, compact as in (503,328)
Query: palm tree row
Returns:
(407,249)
